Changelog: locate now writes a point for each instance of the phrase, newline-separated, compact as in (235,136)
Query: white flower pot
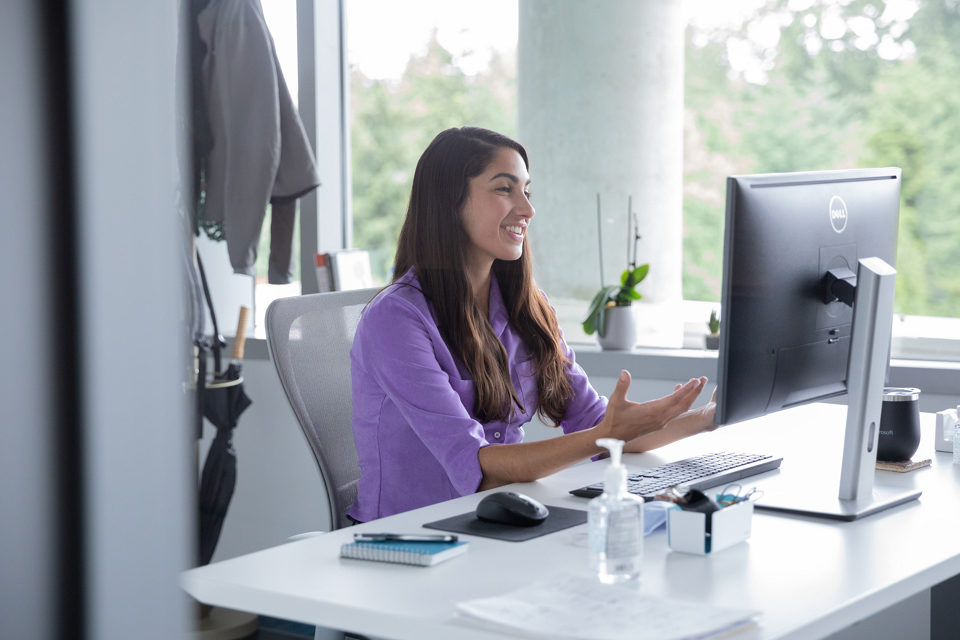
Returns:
(621,330)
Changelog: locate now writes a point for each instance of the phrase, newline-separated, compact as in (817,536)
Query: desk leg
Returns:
(944,610)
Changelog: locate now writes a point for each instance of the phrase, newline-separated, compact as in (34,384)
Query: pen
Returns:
(404,537)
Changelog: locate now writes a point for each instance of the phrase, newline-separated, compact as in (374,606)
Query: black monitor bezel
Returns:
(735,253)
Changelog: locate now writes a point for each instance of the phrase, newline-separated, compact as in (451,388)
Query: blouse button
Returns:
(496,434)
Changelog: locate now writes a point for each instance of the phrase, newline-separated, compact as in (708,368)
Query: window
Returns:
(820,84)
(416,68)
(776,85)
(281,17)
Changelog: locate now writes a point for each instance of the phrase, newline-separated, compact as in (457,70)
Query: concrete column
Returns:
(600,101)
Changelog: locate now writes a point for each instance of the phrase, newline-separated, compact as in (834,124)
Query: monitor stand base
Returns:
(821,504)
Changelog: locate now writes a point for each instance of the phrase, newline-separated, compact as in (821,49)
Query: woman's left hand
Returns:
(699,419)
(688,423)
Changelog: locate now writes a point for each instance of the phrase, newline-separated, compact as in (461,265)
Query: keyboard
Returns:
(698,472)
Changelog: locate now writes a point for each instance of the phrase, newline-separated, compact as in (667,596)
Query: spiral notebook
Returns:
(422,554)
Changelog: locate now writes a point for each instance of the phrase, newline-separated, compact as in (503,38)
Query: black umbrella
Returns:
(222,399)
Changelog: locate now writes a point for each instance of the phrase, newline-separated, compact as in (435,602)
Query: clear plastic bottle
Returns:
(615,523)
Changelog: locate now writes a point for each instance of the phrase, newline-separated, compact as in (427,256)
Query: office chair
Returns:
(309,339)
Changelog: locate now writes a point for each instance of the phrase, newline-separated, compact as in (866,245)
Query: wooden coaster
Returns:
(903,466)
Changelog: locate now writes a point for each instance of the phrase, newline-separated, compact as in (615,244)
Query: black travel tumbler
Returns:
(899,424)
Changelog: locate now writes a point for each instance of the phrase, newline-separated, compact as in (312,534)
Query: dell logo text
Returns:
(838,214)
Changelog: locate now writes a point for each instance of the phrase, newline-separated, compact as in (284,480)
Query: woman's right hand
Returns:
(626,420)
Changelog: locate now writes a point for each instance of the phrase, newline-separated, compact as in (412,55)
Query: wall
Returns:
(279,492)
(93,474)
(29,498)
(133,341)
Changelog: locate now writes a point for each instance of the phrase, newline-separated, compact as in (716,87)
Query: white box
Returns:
(946,423)
(686,530)
(350,269)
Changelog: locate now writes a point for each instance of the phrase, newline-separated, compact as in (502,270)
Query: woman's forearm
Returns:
(687,424)
(632,422)
(528,461)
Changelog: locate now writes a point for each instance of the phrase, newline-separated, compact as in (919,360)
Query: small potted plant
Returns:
(610,314)
(712,339)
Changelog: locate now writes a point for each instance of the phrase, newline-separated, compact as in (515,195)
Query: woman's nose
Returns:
(526,208)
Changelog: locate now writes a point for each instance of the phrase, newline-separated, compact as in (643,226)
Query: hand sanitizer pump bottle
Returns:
(615,523)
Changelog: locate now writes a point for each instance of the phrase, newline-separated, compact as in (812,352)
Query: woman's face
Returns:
(497,211)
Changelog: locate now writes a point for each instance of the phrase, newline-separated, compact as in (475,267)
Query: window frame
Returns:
(325,213)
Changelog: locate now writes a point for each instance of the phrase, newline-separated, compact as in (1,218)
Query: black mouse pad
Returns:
(468,523)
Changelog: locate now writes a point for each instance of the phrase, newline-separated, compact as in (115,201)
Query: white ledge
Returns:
(930,376)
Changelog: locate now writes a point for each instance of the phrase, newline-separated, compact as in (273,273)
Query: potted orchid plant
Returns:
(610,314)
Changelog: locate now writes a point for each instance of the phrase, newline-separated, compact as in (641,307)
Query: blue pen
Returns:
(404,537)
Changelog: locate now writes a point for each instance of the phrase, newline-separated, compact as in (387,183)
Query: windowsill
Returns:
(680,326)
(916,339)
(931,376)
(921,358)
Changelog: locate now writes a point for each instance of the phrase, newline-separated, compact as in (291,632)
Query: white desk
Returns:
(809,577)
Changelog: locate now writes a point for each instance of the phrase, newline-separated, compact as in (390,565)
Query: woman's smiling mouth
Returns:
(515,231)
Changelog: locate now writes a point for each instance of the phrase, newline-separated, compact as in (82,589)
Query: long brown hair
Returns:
(432,243)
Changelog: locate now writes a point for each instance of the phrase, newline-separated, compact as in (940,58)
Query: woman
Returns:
(462,349)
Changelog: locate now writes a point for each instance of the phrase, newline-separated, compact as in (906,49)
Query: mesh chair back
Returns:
(309,338)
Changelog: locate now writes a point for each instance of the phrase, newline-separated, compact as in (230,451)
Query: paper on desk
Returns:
(578,608)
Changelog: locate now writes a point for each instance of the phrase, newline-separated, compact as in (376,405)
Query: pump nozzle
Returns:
(615,477)
(614,446)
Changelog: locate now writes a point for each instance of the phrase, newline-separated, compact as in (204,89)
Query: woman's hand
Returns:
(640,425)
(627,420)
(688,423)
(699,419)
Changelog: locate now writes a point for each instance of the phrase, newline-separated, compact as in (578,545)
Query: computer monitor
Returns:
(807,312)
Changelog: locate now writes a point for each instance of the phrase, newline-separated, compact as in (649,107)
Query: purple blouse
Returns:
(413,423)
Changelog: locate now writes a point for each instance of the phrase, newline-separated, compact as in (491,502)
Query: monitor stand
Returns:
(797,494)
(866,372)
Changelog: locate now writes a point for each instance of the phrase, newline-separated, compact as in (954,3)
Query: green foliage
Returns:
(713,324)
(394,121)
(831,104)
(790,127)
(916,127)
(620,295)
(703,249)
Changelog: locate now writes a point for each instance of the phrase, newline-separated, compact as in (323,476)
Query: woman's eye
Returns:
(528,194)
(505,189)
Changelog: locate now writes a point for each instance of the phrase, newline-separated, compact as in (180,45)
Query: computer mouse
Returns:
(512,508)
